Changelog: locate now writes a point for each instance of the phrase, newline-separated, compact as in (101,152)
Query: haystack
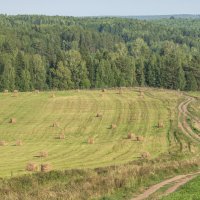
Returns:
(90,140)
(62,136)
(43,154)
(2,143)
(31,167)
(15,94)
(139,138)
(160,124)
(130,136)
(141,93)
(113,126)
(53,95)
(99,115)
(18,143)
(56,125)
(45,167)
(13,121)
(119,92)
(145,155)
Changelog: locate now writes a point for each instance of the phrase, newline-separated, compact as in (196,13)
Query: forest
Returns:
(60,53)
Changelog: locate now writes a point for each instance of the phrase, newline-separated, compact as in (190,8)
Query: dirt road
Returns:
(183,124)
(179,180)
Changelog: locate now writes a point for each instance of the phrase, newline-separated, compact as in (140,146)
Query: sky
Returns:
(100,7)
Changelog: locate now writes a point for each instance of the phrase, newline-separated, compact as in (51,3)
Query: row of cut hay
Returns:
(52,95)
(33,167)
(129,136)
(144,155)
(16,93)
(4,143)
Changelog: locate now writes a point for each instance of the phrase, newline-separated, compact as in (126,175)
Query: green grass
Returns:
(76,111)
(82,171)
(190,191)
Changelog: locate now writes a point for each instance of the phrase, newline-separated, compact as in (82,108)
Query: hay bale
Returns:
(56,125)
(53,95)
(45,168)
(3,143)
(15,95)
(99,115)
(120,91)
(31,167)
(113,126)
(62,136)
(141,94)
(160,124)
(15,91)
(43,154)
(37,91)
(18,143)
(90,140)
(13,121)
(5,91)
(145,155)
(130,136)
(139,138)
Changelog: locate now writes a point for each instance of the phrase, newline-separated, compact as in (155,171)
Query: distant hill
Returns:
(156,17)
(152,17)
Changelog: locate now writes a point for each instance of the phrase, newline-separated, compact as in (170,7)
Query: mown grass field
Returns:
(76,114)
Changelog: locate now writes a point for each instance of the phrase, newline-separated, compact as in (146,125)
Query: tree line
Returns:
(45,53)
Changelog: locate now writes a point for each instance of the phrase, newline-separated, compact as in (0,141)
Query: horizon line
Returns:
(60,15)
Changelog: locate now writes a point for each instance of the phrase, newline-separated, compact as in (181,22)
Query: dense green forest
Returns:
(42,52)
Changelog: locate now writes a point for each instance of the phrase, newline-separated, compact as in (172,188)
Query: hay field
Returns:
(74,115)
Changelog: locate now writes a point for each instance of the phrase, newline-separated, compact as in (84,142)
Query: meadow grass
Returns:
(76,114)
(189,191)
(108,168)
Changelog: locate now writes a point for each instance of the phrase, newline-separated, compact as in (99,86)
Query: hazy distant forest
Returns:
(45,53)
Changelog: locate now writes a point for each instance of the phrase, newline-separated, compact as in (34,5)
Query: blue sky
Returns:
(99,7)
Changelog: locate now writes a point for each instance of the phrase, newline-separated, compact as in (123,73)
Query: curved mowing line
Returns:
(76,113)
(185,126)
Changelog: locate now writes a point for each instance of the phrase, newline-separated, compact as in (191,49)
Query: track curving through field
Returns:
(179,180)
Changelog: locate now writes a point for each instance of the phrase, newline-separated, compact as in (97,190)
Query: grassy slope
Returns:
(190,191)
(76,111)
(194,108)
